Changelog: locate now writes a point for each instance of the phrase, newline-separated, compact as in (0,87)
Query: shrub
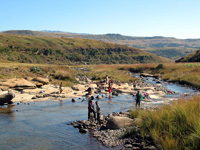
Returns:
(10,59)
(160,66)
(64,75)
(35,69)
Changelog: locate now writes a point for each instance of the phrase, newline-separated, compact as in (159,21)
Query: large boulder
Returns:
(9,83)
(79,87)
(117,122)
(157,95)
(146,75)
(18,84)
(137,121)
(6,97)
(24,84)
(41,80)
(149,75)
(145,88)
(93,85)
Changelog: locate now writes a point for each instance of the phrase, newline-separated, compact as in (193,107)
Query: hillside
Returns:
(193,57)
(162,46)
(35,49)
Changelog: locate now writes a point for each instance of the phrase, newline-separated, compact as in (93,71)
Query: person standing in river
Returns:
(98,110)
(61,88)
(138,99)
(91,107)
(109,89)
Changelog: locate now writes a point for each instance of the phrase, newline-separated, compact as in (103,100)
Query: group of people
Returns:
(91,105)
(140,97)
(91,109)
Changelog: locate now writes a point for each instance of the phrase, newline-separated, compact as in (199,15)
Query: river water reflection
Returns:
(43,125)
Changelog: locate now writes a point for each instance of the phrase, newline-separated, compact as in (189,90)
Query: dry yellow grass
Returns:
(175,126)
(185,73)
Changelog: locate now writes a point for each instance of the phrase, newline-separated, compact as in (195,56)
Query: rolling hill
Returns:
(162,46)
(60,50)
(193,57)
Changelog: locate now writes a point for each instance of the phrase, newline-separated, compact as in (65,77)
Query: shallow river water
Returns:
(43,125)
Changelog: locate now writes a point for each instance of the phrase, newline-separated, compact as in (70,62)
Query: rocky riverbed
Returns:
(40,89)
(116,129)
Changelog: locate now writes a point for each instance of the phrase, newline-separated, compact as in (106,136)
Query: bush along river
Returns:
(50,125)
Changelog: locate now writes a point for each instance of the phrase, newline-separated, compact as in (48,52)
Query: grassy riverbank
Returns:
(183,73)
(63,73)
(175,126)
(115,72)
(56,73)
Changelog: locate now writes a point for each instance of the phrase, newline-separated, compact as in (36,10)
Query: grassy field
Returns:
(56,73)
(185,73)
(115,72)
(175,126)
(64,73)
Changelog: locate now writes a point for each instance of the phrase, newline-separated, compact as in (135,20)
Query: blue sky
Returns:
(170,18)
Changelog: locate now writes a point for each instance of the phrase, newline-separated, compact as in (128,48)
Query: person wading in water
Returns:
(91,108)
(138,99)
(98,109)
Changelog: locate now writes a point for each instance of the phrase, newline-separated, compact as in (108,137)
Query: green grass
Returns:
(175,126)
(114,72)
(32,49)
(162,46)
(192,57)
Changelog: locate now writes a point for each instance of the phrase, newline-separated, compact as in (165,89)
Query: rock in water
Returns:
(117,122)
(82,130)
(6,97)
(73,100)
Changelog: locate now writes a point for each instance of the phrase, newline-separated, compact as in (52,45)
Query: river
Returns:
(43,125)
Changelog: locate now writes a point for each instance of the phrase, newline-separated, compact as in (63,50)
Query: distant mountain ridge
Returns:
(168,47)
(61,50)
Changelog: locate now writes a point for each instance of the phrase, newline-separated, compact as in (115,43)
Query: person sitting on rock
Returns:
(91,107)
(98,109)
